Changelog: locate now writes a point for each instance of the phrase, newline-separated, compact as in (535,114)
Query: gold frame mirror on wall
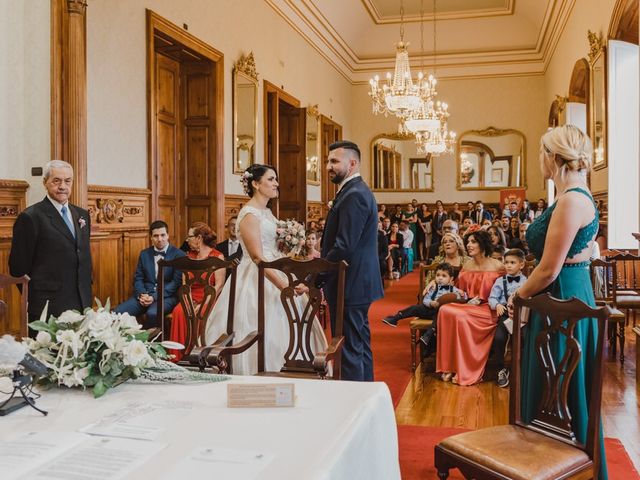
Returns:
(491,159)
(312,146)
(598,99)
(245,112)
(397,167)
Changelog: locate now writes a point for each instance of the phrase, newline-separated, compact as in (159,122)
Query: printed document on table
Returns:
(225,462)
(140,421)
(98,459)
(32,449)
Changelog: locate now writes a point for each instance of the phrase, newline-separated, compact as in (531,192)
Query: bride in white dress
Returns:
(256,228)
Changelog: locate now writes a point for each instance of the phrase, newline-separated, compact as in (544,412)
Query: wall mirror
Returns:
(312,145)
(245,112)
(396,165)
(491,159)
(598,100)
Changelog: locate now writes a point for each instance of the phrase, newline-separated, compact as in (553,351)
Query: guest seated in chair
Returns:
(201,243)
(465,331)
(145,294)
(503,288)
(396,251)
(430,296)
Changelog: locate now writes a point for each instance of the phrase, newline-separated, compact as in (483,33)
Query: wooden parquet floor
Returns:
(428,401)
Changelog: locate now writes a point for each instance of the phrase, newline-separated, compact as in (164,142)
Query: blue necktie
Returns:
(64,211)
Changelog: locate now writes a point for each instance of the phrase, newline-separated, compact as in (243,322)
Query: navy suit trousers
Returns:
(357,359)
(133,307)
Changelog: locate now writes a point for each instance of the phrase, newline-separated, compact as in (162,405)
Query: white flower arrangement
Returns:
(291,237)
(97,348)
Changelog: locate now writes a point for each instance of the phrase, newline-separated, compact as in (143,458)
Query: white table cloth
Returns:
(337,430)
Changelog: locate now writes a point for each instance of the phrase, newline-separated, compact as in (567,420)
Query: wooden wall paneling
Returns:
(232,206)
(106,257)
(13,200)
(133,243)
(314,211)
(331,132)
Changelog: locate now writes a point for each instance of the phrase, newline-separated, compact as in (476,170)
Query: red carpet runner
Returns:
(392,357)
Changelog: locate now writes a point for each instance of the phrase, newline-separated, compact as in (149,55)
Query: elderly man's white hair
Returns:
(55,164)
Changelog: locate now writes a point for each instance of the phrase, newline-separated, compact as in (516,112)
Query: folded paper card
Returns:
(260,395)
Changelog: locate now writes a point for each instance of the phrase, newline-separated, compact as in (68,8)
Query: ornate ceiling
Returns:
(475,38)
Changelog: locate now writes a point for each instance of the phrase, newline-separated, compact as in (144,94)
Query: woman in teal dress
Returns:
(561,239)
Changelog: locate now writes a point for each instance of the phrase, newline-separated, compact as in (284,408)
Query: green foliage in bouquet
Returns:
(97,348)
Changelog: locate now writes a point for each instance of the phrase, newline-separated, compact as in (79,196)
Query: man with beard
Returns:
(350,234)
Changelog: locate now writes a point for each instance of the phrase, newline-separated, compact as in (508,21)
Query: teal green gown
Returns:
(573,281)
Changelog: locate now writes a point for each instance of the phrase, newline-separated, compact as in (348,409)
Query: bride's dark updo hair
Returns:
(254,172)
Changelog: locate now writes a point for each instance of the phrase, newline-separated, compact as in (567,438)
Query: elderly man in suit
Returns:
(351,234)
(145,283)
(51,244)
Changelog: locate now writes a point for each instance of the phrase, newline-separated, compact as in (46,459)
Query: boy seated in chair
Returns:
(503,288)
(432,297)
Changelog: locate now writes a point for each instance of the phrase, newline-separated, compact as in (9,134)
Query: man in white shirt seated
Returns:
(231,248)
(145,287)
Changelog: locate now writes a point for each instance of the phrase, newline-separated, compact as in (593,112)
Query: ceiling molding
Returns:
(310,23)
(379,19)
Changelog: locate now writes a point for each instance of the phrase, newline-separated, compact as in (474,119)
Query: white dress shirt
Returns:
(350,177)
(233,246)
(59,206)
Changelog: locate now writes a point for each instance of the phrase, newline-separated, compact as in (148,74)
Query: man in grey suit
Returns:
(51,244)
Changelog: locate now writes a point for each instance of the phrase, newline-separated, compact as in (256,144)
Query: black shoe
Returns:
(503,378)
(391,320)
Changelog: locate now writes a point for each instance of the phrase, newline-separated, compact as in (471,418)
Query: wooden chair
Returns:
(604,288)
(299,360)
(627,282)
(201,273)
(22,283)
(545,448)
(530,263)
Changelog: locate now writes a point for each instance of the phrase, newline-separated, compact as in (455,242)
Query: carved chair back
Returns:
(627,273)
(198,274)
(6,282)
(602,274)
(427,273)
(301,310)
(558,323)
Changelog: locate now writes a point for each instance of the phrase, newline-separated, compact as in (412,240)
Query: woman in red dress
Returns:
(465,331)
(201,240)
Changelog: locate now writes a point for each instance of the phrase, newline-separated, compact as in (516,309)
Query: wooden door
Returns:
(197,175)
(331,132)
(292,202)
(167,165)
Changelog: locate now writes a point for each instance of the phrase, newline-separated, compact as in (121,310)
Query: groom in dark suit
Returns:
(145,292)
(351,234)
(51,244)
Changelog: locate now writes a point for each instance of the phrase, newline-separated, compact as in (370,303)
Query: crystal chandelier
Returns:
(399,95)
(429,122)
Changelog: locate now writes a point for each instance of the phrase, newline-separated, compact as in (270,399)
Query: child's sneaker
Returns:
(391,320)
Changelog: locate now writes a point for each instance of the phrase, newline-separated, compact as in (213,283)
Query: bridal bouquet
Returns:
(291,237)
(97,348)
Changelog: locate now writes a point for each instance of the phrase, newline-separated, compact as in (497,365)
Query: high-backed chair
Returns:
(529,264)
(546,448)
(6,281)
(605,292)
(201,273)
(627,282)
(417,326)
(301,311)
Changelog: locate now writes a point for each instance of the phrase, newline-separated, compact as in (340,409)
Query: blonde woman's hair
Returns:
(569,146)
(456,238)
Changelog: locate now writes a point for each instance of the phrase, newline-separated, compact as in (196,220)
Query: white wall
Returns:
(474,104)
(593,15)
(25,135)
(116,79)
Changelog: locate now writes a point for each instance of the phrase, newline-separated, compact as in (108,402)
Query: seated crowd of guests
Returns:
(466,296)
(415,233)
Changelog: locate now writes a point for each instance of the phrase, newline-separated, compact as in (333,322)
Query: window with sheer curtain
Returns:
(623,146)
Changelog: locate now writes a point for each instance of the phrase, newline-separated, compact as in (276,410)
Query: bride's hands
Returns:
(301,289)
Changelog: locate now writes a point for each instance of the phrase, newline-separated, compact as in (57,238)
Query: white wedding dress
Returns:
(246,307)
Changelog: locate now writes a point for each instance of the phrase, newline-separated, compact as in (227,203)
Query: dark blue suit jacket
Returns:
(145,280)
(351,234)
